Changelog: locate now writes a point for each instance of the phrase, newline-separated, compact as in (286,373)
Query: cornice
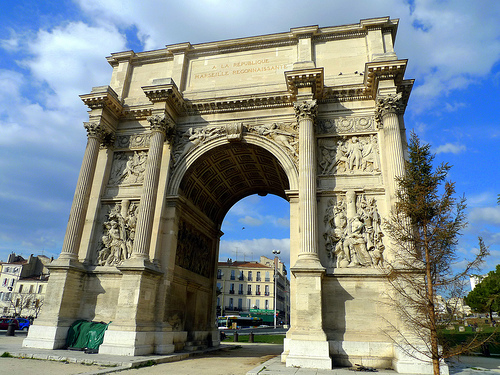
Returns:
(103,97)
(165,90)
(314,78)
(239,103)
(376,71)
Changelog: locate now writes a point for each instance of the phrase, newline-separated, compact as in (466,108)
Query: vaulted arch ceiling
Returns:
(229,173)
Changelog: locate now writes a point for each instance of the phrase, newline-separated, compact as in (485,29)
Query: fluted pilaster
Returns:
(387,115)
(73,235)
(160,127)
(306,113)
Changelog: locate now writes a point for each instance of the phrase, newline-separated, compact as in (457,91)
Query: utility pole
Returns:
(275,252)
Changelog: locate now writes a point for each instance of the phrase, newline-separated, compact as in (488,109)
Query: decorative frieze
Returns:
(133,141)
(128,168)
(284,135)
(346,125)
(348,155)
(194,137)
(353,236)
(118,234)
(194,250)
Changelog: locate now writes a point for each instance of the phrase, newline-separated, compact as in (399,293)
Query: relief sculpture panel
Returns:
(353,236)
(194,250)
(348,155)
(128,167)
(118,234)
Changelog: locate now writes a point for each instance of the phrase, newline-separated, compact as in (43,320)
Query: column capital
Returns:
(388,104)
(163,124)
(96,130)
(307,109)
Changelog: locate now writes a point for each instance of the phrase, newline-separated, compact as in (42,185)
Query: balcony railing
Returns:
(240,292)
(231,292)
(249,292)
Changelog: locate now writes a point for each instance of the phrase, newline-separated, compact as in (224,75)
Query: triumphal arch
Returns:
(313,115)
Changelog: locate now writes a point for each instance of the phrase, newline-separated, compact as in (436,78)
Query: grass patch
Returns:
(266,339)
(6,355)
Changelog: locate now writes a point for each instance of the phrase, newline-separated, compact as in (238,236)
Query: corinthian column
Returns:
(78,211)
(388,109)
(306,112)
(159,127)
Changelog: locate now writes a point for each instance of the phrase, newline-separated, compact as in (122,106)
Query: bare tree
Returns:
(424,226)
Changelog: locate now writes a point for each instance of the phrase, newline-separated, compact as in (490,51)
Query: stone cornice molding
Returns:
(386,105)
(163,124)
(103,97)
(313,78)
(165,90)
(381,70)
(306,109)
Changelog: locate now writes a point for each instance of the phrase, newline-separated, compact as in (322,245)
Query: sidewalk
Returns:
(237,358)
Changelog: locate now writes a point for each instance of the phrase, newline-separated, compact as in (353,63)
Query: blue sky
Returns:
(52,51)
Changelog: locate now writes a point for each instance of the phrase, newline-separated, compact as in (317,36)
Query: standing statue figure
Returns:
(354,154)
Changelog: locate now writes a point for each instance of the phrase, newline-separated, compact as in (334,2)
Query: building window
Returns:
(12,282)
(219,274)
(231,289)
(249,275)
(31,288)
(240,289)
(267,290)
(233,277)
(5,282)
(240,304)
(241,277)
(258,276)
(257,303)
(267,276)
(257,291)
(231,303)
(218,301)
(249,304)
(249,290)
(40,289)
(20,288)
(267,304)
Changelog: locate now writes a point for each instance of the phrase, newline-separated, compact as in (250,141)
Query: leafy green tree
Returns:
(485,297)
(424,227)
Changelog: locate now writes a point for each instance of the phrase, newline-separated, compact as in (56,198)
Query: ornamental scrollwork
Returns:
(348,155)
(353,236)
(345,125)
(132,141)
(388,104)
(162,123)
(306,109)
(118,234)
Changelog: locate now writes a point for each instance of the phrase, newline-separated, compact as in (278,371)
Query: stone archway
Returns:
(314,115)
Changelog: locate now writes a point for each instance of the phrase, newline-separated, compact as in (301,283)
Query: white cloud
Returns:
(489,215)
(251,221)
(453,148)
(481,199)
(254,248)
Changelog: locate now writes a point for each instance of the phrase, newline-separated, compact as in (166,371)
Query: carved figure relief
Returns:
(285,135)
(343,125)
(118,234)
(128,168)
(357,154)
(194,251)
(353,237)
(194,137)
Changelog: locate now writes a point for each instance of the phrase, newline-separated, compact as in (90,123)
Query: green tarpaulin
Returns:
(86,335)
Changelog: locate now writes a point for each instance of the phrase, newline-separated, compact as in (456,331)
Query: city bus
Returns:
(236,322)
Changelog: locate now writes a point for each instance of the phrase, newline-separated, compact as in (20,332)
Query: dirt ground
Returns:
(238,360)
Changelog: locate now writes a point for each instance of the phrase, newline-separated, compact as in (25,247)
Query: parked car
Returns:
(4,323)
(23,323)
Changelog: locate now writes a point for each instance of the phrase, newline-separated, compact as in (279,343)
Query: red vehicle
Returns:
(4,323)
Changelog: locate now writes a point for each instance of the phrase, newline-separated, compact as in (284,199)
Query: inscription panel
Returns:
(240,69)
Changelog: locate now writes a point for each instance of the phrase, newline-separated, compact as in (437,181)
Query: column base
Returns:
(308,354)
(412,362)
(129,343)
(46,337)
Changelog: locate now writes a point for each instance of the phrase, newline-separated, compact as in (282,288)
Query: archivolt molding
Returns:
(189,153)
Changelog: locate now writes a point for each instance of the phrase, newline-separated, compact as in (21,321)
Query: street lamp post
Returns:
(275,252)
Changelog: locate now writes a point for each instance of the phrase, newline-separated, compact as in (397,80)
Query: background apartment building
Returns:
(248,288)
